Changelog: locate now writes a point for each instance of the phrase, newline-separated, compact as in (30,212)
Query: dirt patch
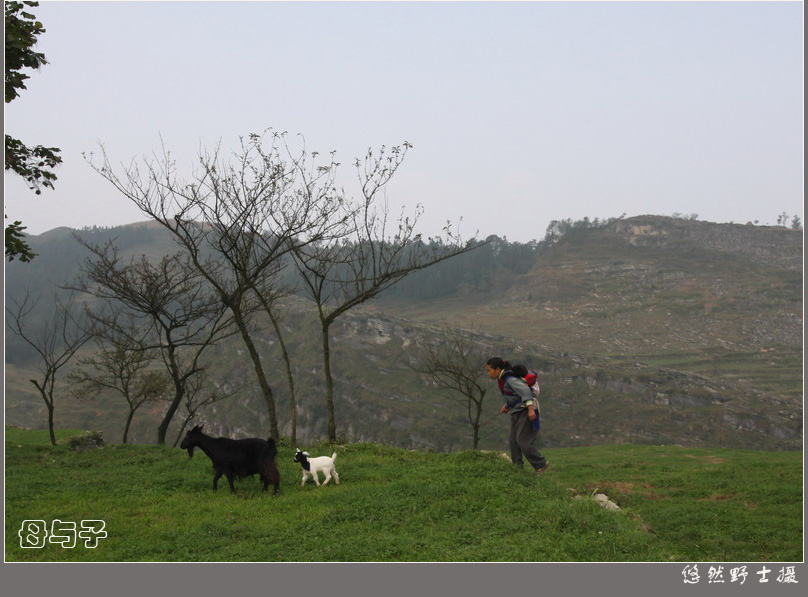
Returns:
(717,498)
(710,459)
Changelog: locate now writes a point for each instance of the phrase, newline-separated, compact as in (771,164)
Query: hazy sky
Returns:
(518,112)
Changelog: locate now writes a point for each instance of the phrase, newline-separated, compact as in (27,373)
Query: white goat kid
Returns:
(312,466)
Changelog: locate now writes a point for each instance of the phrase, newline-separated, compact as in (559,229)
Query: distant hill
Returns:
(651,282)
(646,330)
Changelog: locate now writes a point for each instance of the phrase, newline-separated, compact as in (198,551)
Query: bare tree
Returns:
(121,366)
(340,275)
(184,316)
(456,364)
(55,342)
(237,218)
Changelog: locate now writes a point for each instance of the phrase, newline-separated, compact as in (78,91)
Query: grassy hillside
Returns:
(647,330)
(648,286)
(678,504)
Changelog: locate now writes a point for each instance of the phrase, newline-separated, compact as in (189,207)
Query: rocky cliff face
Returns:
(651,284)
(775,246)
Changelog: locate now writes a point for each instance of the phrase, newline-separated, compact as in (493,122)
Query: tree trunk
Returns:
(179,393)
(289,376)
(50,423)
(49,406)
(329,386)
(266,390)
(128,423)
(162,430)
(478,407)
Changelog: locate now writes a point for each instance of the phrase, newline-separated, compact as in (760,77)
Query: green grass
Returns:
(710,504)
(397,505)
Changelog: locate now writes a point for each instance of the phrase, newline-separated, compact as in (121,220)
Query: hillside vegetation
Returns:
(645,330)
(676,504)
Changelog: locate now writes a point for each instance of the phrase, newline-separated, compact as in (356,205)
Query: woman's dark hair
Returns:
(498,363)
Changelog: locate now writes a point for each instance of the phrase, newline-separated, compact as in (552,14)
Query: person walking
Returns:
(525,421)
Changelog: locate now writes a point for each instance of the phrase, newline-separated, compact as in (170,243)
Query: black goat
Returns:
(236,458)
